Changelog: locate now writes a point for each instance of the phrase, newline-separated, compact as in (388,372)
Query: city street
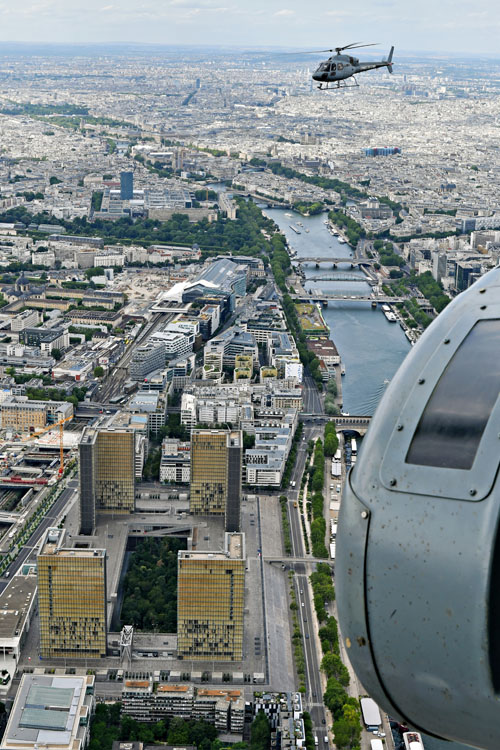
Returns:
(312,398)
(314,692)
(29,549)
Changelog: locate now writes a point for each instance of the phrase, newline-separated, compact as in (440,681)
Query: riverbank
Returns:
(337,231)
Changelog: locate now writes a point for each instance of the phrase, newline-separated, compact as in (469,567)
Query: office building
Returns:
(146,359)
(52,712)
(216,457)
(23,415)
(71,599)
(107,474)
(126,186)
(45,339)
(210,602)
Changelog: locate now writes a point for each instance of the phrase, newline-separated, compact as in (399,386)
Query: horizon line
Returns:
(220,46)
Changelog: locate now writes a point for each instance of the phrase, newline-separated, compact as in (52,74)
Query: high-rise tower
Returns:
(216,475)
(107,480)
(126,186)
(211,601)
(71,599)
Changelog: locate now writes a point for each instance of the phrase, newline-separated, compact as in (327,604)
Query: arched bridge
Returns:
(335,261)
(355,423)
(342,277)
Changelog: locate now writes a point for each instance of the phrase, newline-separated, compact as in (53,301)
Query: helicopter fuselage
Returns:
(336,68)
(339,67)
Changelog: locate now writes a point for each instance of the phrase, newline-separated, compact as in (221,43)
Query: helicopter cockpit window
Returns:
(455,417)
(323,67)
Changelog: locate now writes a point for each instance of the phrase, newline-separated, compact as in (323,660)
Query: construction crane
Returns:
(49,427)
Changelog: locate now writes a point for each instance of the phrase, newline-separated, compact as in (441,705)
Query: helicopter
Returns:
(338,67)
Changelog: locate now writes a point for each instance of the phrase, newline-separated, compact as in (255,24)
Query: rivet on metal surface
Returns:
(399,427)
(364,514)
(473,492)
(446,341)
(483,307)
(482,291)
(421,381)
(393,482)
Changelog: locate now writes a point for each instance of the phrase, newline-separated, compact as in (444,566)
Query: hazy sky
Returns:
(449,25)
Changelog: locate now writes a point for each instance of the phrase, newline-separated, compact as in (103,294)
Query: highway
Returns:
(29,548)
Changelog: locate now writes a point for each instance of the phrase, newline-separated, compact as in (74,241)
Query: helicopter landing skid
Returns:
(338,85)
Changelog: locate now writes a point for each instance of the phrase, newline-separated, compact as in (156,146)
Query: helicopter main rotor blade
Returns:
(358,46)
(347,46)
(353,45)
(309,52)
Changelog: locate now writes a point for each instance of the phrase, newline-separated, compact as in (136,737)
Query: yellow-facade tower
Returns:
(211,601)
(71,599)
(215,489)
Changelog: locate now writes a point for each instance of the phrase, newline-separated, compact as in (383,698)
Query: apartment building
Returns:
(175,465)
(146,700)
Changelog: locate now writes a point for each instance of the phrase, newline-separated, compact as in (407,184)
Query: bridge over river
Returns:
(335,260)
(325,297)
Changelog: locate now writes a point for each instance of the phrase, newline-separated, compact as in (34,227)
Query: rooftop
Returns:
(47,711)
(15,603)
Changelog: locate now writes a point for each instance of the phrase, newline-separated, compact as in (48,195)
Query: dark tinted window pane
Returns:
(456,414)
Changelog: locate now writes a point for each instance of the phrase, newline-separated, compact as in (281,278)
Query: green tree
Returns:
(335,697)
(57,354)
(178,733)
(98,271)
(332,666)
(331,439)
(347,728)
(200,731)
(260,733)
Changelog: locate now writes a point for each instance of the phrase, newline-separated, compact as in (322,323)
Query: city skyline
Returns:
(449,28)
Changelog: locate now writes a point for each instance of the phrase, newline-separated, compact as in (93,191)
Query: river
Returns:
(371,348)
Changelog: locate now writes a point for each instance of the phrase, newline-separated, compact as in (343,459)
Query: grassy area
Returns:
(287,539)
(310,319)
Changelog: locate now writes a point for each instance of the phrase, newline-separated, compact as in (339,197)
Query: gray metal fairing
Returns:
(414,552)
